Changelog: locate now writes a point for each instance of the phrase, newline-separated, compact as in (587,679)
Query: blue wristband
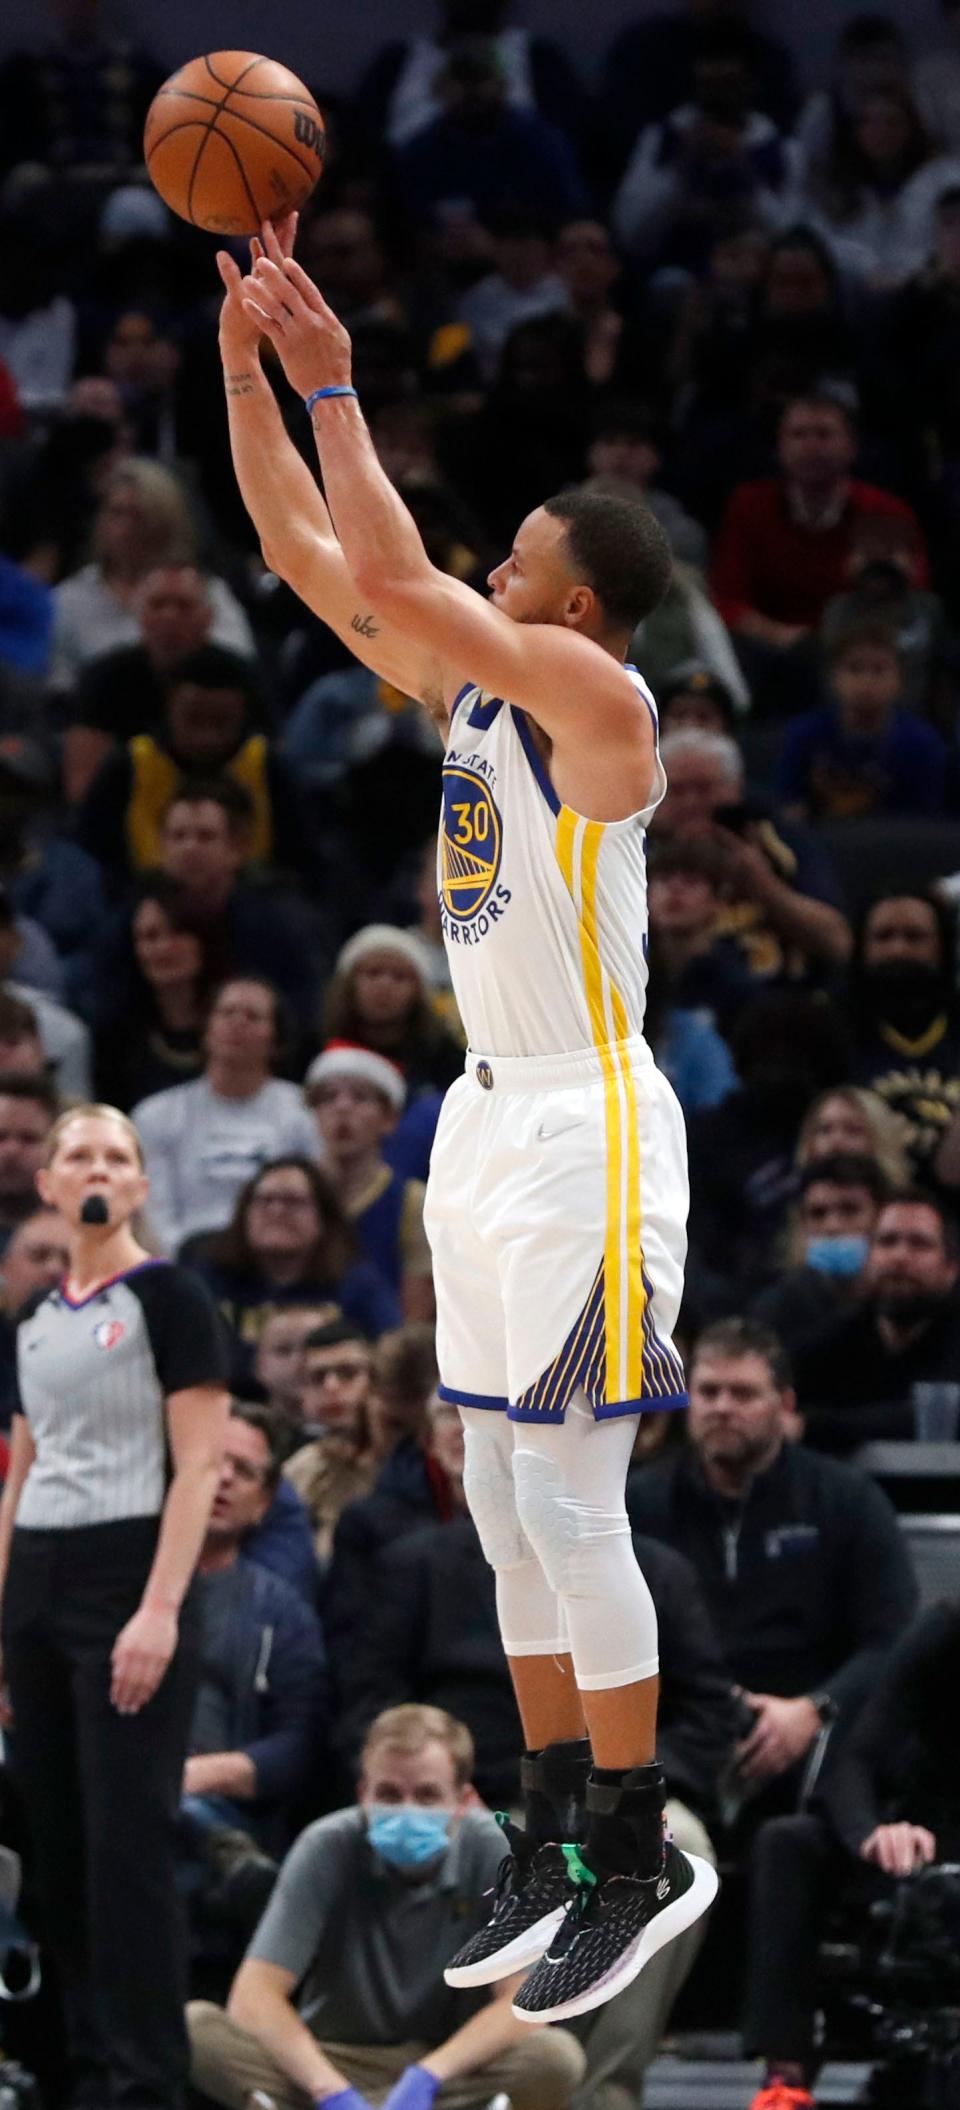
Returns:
(318,395)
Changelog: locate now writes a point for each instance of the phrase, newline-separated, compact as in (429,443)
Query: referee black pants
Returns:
(101,1792)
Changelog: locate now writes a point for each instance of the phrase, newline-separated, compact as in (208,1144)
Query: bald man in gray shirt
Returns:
(341,1999)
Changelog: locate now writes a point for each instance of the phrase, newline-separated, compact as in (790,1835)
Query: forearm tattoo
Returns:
(238,384)
(364,626)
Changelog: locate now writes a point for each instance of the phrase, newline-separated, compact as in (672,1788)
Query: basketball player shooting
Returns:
(558,1187)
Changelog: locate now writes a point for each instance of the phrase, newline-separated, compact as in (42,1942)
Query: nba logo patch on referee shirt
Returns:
(108,1332)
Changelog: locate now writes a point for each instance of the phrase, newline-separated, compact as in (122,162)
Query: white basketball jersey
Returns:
(544,913)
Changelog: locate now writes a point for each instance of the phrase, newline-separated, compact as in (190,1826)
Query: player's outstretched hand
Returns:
(240,334)
(281,301)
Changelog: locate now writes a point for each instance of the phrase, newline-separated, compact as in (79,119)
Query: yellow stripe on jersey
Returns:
(578,844)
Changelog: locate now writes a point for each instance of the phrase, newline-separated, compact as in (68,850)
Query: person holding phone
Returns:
(115,1456)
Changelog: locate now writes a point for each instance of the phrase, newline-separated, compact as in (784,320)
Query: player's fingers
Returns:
(270,243)
(272,325)
(270,291)
(276,288)
(309,293)
(256,248)
(228,270)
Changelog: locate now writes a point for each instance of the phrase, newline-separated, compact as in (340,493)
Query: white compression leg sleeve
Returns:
(530,1615)
(569,1480)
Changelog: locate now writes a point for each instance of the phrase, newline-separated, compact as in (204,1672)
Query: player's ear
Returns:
(581,604)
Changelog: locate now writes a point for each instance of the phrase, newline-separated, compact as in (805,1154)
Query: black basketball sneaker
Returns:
(613,1925)
(529,1903)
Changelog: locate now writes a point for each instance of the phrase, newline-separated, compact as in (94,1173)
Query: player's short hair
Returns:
(410,1727)
(619,549)
(736,1337)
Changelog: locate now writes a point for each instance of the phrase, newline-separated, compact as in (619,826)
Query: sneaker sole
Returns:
(671,1922)
(524,1949)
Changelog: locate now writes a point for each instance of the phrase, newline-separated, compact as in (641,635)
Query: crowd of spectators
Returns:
(694,278)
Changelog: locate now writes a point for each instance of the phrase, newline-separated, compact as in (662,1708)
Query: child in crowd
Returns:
(882,588)
(862,752)
(357,1097)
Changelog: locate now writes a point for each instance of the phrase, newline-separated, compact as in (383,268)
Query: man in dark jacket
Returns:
(890,1808)
(801,1559)
(854,1382)
(431,1634)
(261,1709)
(421,1483)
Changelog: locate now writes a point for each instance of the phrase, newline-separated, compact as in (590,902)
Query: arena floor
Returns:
(677,2082)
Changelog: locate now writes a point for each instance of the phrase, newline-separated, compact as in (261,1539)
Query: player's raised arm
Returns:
(287,508)
(553,669)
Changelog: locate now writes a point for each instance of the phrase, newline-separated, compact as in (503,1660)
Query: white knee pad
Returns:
(586,1553)
(489,1492)
(574,1541)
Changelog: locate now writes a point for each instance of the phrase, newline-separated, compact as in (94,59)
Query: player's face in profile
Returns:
(94,1155)
(534,583)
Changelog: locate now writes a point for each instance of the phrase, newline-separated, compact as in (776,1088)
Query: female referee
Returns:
(115,1456)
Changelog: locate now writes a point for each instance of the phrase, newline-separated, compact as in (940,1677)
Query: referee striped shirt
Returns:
(93,1376)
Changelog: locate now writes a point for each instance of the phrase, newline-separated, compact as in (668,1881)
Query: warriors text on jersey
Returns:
(544,914)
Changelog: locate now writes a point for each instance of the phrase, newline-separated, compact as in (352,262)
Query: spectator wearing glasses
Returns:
(288,1239)
(203,1140)
(354,1432)
(280,1362)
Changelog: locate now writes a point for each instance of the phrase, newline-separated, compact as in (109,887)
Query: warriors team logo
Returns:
(108,1332)
(471,842)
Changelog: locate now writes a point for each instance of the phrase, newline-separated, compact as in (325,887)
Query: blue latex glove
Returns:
(415,2090)
(341,2099)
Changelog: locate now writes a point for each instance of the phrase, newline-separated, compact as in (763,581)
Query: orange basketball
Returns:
(232,140)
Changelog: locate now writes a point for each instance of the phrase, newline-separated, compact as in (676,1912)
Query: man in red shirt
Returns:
(784,542)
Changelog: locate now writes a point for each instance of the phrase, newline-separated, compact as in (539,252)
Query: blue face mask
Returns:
(406,1836)
(839,1257)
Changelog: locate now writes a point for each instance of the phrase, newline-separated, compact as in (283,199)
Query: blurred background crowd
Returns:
(686,274)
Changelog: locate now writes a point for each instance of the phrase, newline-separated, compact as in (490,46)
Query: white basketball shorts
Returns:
(556,1212)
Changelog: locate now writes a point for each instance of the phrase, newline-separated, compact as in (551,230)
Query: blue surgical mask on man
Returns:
(406,1836)
(842,1257)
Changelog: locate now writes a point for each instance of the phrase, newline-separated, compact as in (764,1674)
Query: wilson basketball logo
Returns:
(471,841)
(307,132)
